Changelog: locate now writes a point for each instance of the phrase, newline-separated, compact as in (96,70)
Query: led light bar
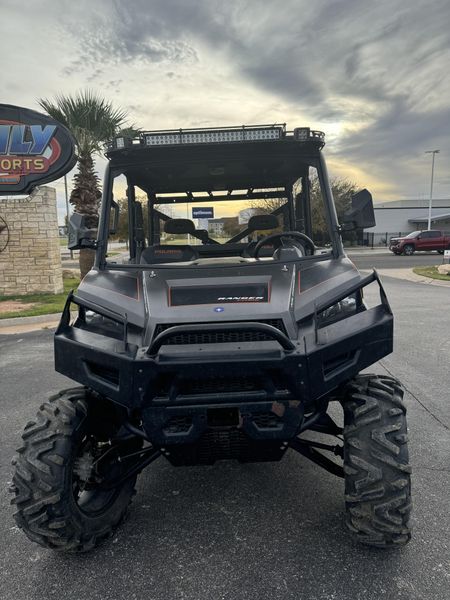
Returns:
(205,136)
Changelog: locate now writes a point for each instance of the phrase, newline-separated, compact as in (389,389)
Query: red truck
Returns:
(420,241)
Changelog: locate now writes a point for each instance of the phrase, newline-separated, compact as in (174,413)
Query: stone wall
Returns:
(31,262)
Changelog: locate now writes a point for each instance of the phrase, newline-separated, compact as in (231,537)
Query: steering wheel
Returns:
(296,235)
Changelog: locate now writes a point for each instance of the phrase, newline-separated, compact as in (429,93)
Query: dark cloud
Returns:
(305,52)
(378,67)
(121,34)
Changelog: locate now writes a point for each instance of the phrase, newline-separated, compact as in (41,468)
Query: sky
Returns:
(373,75)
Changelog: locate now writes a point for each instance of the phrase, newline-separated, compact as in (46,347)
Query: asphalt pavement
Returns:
(384,259)
(255,531)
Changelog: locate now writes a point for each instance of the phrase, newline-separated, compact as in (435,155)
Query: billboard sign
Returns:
(34,149)
(203,212)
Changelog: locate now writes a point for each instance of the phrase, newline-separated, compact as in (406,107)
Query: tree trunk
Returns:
(85,198)
(86,260)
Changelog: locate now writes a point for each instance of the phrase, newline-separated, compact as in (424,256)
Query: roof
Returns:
(412,203)
(250,162)
(434,219)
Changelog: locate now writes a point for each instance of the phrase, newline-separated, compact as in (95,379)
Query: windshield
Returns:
(413,234)
(220,222)
(220,226)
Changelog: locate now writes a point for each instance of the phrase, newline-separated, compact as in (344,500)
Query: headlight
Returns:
(346,307)
(97,323)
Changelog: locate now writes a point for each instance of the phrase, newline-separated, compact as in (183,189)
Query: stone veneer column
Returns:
(31,263)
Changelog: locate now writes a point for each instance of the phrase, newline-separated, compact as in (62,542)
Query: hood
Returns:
(264,293)
(161,297)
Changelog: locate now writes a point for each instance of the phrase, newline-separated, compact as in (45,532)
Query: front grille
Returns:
(219,385)
(220,337)
(218,444)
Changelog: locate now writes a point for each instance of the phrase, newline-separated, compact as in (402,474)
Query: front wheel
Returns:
(377,471)
(408,250)
(60,472)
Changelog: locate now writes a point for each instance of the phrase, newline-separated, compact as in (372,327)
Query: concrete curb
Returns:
(29,320)
(409,275)
(18,325)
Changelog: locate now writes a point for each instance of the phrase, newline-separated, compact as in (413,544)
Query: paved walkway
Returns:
(50,322)
(409,275)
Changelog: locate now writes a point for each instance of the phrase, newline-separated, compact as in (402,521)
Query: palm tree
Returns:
(92,121)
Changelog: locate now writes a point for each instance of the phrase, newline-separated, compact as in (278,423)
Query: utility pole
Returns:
(433,152)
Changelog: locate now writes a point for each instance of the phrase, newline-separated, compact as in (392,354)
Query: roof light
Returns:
(303,134)
(121,142)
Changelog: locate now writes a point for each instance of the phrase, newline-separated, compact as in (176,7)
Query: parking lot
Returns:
(256,531)
(382,258)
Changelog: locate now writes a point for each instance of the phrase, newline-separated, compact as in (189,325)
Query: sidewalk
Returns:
(26,324)
(409,275)
(367,250)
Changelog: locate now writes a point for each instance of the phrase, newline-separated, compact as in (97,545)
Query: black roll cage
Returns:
(297,210)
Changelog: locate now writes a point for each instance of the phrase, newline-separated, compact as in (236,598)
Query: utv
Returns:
(227,332)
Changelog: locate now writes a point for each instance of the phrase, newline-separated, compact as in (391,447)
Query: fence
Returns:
(369,239)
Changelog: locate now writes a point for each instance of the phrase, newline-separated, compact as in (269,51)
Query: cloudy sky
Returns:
(373,74)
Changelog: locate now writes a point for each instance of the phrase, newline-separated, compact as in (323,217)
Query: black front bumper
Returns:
(173,387)
(166,383)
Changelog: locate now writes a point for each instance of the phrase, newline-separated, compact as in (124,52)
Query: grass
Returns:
(43,304)
(430,272)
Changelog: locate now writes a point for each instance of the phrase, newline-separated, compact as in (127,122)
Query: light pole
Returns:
(433,152)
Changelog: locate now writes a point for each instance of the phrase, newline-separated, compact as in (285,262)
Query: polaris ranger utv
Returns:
(231,327)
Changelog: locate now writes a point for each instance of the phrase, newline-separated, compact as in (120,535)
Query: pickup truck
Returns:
(420,241)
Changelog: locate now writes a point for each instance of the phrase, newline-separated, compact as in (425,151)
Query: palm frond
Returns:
(91,118)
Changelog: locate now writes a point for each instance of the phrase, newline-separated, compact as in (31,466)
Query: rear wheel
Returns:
(377,471)
(408,250)
(60,473)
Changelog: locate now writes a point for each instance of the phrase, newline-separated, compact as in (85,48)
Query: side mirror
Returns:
(361,215)
(80,235)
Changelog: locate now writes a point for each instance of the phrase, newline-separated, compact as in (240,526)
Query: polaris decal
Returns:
(34,149)
(219,294)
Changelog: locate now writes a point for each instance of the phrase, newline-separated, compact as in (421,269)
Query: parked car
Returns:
(420,241)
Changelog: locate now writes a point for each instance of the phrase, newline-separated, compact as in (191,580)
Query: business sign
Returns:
(447,254)
(34,149)
(203,212)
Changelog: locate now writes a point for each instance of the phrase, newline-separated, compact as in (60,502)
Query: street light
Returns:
(433,152)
